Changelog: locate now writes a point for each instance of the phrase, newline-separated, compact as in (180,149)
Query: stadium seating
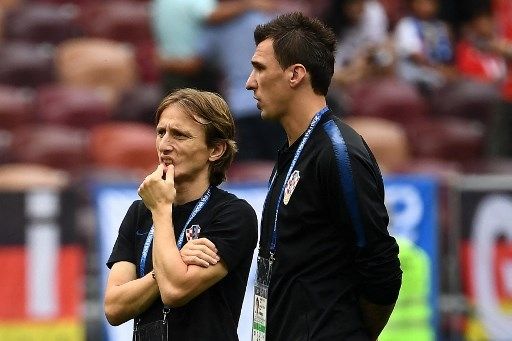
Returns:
(5,145)
(94,62)
(39,23)
(123,145)
(388,98)
(451,138)
(27,176)
(387,139)
(145,56)
(139,104)
(467,99)
(76,106)
(127,21)
(26,64)
(16,106)
(9,4)
(55,146)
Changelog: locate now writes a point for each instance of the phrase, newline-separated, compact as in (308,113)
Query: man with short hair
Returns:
(327,267)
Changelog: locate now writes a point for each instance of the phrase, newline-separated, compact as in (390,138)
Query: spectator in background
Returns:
(502,126)
(361,27)
(364,49)
(483,69)
(424,47)
(229,47)
(478,56)
(177,27)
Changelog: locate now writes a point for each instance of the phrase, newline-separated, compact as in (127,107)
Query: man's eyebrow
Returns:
(178,129)
(255,63)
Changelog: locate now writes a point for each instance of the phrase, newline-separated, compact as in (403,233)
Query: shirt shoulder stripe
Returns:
(346,178)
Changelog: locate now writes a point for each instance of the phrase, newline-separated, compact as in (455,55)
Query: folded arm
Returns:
(125,295)
(179,282)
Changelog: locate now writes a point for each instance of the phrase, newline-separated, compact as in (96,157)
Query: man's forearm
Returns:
(375,316)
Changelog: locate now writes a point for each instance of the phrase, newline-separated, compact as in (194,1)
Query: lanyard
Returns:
(149,239)
(312,125)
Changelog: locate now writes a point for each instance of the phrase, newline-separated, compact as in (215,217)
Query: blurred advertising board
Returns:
(412,202)
(483,216)
(42,288)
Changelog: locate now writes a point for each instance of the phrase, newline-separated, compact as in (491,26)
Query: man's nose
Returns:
(165,145)
(250,84)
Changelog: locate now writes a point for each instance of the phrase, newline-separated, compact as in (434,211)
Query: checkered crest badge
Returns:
(290,186)
(192,232)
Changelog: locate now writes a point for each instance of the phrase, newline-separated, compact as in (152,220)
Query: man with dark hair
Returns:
(327,267)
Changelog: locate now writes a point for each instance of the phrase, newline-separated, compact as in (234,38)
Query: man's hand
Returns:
(157,189)
(201,252)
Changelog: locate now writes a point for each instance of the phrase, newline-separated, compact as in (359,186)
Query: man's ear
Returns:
(298,73)
(217,151)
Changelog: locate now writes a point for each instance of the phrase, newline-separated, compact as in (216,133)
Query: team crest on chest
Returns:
(290,186)
(192,232)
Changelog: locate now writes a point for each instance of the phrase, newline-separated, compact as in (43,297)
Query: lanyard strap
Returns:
(314,121)
(149,239)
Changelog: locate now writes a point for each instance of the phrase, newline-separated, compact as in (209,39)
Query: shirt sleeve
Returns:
(376,22)
(407,40)
(201,9)
(375,251)
(234,231)
(124,249)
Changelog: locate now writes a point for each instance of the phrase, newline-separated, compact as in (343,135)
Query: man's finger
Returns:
(169,174)
(158,173)
(207,251)
(208,243)
(194,260)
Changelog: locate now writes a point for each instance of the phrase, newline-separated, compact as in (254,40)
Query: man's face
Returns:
(181,141)
(268,82)
(425,9)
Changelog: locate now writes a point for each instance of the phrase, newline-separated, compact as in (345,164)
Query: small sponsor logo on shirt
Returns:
(290,186)
(142,232)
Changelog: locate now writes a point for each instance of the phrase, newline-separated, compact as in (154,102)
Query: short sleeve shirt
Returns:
(178,24)
(231,224)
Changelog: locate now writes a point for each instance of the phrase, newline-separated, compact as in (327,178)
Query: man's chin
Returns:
(265,115)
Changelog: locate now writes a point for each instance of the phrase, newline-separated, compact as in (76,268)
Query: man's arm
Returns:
(376,252)
(201,252)
(375,316)
(125,295)
(227,10)
(177,281)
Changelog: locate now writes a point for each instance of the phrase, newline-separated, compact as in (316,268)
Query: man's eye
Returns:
(160,132)
(180,136)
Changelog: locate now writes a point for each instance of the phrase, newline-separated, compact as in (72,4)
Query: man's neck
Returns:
(299,116)
(189,191)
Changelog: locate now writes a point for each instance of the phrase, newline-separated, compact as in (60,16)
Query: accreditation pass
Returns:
(259,316)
